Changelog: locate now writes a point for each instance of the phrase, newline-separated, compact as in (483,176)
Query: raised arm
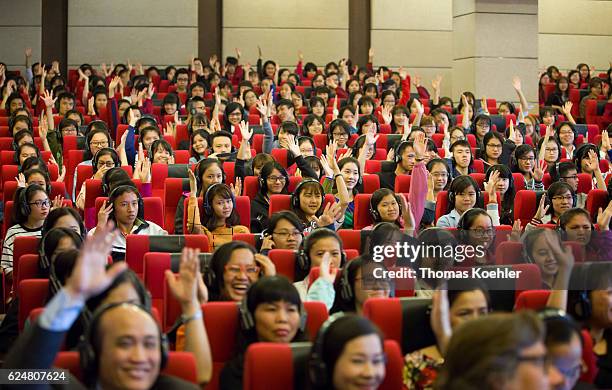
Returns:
(516,83)
(184,287)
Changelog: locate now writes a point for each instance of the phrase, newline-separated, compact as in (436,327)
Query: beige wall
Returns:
(575,31)
(20,27)
(319,28)
(417,35)
(153,32)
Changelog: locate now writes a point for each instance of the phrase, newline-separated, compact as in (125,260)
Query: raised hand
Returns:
(592,161)
(327,271)
(105,211)
(566,109)
(193,188)
(329,216)
(90,276)
(539,169)
(300,56)
(58,202)
(48,99)
(236,188)
(184,286)
(542,208)
(603,217)
(516,83)
(407,214)
(238,53)
(90,106)
(386,114)
(420,108)
(416,80)
(21,181)
(267,266)
(435,83)
(491,185)
(62,174)
(329,172)
(420,145)
(402,73)
(28,52)
(515,235)
(245,131)
(292,145)
(564,256)
(169,130)
(605,141)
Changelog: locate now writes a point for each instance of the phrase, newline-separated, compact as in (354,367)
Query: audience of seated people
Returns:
(296,179)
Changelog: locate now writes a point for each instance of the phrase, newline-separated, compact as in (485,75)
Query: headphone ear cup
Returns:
(164,349)
(346,291)
(87,357)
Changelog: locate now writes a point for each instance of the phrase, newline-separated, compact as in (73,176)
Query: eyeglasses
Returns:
(109,164)
(182,79)
(482,232)
(527,158)
(99,143)
(495,146)
(41,203)
(551,149)
(340,135)
(69,131)
(573,177)
(238,269)
(565,197)
(483,126)
(273,179)
(285,235)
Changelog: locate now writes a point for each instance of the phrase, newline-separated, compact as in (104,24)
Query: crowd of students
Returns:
(332,128)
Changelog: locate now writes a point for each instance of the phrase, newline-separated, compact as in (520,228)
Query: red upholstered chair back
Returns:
(532,300)
(32,294)
(595,199)
(362,216)
(351,239)
(138,245)
(370,183)
(249,238)
(402,183)
(284,260)
(174,188)
(25,268)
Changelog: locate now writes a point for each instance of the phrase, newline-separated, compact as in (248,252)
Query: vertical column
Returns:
(210,28)
(55,33)
(359,30)
(492,42)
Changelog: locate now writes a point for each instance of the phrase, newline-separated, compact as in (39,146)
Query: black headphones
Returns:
(263,184)
(303,255)
(44,259)
(452,195)
(12,119)
(374,211)
(109,151)
(207,206)
(548,201)
(88,352)
(22,200)
(114,194)
(346,290)
(462,226)
(317,368)
(295,196)
(399,148)
(247,322)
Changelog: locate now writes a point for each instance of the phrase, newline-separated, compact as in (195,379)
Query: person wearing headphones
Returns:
(125,208)
(348,353)
(104,160)
(30,209)
(357,284)
(107,359)
(464,194)
(272,311)
(588,303)
(386,206)
(219,220)
(307,202)
(561,197)
(96,139)
(322,248)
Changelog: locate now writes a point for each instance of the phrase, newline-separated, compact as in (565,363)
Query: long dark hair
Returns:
(507,217)
(210,221)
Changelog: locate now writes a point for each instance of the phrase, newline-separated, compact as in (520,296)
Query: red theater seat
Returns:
(32,294)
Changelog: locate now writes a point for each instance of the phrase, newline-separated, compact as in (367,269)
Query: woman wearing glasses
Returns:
(559,198)
(340,132)
(526,163)
(104,160)
(273,180)
(96,139)
(476,229)
(30,209)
